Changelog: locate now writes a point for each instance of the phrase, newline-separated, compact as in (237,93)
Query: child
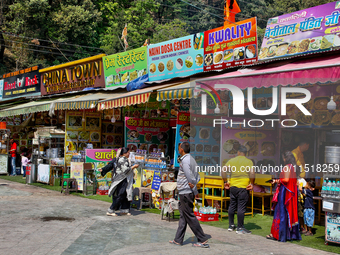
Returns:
(309,211)
(24,162)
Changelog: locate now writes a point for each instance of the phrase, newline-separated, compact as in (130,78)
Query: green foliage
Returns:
(168,31)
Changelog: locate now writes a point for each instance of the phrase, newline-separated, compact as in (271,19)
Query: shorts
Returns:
(308,216)
(300,209)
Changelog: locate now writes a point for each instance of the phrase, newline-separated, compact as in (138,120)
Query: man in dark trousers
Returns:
(187,179)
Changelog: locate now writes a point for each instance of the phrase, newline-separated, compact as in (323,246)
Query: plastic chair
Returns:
(165,190)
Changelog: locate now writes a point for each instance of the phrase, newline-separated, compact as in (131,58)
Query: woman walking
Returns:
(121,186)
(286,221)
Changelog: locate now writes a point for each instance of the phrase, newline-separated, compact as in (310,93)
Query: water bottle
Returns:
(328,190)
(324,189)
(215,210)
(337,190)
(333,189)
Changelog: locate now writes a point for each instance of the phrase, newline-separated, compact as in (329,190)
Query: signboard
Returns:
(176,58)
(21,83)
(73,76)
(112,135)
(1,88)
(43,173)
(124,67)
(332,226)
(306,31)
(231,45)
(77,172)
(204,139)
(147,134)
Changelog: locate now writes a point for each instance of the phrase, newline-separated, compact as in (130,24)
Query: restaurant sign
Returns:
(21,83)
(124,67)
(176,58)
(100,155)
(231,45)
(307,31)
(73,76)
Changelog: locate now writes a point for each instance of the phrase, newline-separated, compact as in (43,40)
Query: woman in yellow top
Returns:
(299,157)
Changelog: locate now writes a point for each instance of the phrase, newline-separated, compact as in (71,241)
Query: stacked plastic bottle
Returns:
(207,210)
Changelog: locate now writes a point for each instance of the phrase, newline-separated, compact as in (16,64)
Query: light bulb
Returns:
(92,105)
(217,110)
(113,120)
(331,105)
(42,117)
(103,105)
(83,119)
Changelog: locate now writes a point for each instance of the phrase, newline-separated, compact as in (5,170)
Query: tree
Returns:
(168,31)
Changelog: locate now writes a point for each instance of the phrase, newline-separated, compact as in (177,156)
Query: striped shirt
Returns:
(187,174)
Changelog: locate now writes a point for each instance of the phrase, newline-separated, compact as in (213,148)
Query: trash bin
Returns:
(31,175)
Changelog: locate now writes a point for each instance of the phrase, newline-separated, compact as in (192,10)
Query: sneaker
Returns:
(111,214)
(243,231)
(231,228)
(110,211)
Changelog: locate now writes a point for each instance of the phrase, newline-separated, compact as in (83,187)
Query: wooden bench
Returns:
(66,188)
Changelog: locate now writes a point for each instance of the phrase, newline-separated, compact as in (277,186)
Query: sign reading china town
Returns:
(21,83)
(73,76)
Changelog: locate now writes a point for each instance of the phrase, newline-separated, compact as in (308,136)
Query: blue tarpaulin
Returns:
(138,83)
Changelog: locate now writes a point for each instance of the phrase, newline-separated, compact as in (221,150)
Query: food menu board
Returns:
(112,134)
(109,113)
(147,134)
(124,67)
(204,139)
(77,172)
(261,143)
(152,109)
(176,58)
(100,158)
(231,45)
(306,31)
(317,106)
(79,132)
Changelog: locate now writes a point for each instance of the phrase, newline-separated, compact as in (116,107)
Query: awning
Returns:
(181,91)
(31,107)
(308,71)
(88,101)
(130,98)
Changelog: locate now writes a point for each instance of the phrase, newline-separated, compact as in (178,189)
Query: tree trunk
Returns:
(2,49)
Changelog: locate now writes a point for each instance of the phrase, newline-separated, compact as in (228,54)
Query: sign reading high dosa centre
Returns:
(22,83)
(73,76)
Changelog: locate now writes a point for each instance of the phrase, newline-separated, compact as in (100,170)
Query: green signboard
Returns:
(124,67)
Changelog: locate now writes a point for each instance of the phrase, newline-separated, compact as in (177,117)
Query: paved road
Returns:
(37,221)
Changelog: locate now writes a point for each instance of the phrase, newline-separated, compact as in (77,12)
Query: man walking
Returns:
(13,152)
(241,181)
(187,179)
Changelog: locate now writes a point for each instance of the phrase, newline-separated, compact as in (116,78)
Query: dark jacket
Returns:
(110,167)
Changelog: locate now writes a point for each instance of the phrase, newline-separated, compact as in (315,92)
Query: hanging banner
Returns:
(147,134)
(231,45)
(176,58)
(125,67)
(307,31)
(21,83)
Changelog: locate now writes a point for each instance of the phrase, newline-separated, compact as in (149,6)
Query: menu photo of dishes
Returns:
(118,140)
(84,136)
(94,137)
(71,135)
(92,123)
(75,122)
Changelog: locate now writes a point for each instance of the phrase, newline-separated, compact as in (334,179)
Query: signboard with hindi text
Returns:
(307,31)
(124,67)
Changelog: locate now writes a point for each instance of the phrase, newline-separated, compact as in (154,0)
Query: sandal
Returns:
(309,234)
(173,242)
(202,245)
(270,237)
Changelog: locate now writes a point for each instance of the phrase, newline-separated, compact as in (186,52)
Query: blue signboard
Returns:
(176,58)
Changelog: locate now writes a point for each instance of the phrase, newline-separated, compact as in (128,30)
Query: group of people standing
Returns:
(13,155)
(287,206)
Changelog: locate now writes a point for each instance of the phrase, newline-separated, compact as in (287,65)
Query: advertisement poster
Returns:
(261,143)
(124,67)
(147,134)
(81,129)
(112,134)
(333,227)
(153,109)
(77,172)
(109,113)
(176,58)
(317,106)
(231,45)
(204,139)
(306,31)
(21,83)
(1,88)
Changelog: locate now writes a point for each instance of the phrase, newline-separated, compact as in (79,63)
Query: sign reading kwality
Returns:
(306,31)
(124,67)
(231,45)
(21,83)
(73,76)
(176,58)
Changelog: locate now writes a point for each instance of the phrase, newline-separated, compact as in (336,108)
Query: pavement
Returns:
(38,221)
